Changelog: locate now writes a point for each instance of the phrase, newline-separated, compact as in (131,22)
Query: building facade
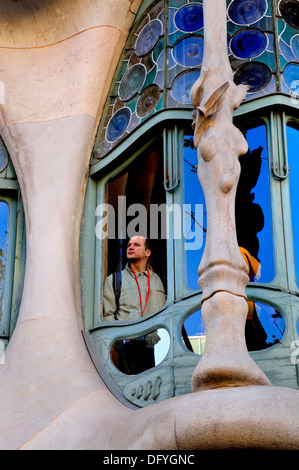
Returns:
(98,145)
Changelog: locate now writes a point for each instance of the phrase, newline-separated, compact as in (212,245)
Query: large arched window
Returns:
(144,159)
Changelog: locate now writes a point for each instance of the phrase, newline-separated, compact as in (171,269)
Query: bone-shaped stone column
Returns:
(222,272)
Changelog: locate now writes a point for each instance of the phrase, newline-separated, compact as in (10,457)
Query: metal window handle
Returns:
(280,167)
(278,173)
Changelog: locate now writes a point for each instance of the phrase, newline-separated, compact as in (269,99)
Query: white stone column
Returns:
(57,62)
(222,271)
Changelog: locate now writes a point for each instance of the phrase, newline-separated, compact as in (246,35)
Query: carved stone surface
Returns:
(51,395)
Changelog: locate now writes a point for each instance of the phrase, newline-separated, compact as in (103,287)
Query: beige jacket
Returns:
(129,302)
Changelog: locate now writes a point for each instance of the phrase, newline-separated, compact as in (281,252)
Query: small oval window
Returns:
(264,327)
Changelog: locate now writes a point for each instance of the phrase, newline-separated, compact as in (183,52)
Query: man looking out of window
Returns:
(141,294)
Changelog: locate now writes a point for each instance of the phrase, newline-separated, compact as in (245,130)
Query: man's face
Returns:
(136,249)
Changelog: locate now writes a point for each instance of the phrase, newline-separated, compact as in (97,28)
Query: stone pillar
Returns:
(57,62)
(222,271)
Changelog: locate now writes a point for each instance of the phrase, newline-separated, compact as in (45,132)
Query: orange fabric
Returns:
(254,268)
(252,263)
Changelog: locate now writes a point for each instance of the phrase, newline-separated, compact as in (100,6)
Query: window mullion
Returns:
(288,217)
(279,207)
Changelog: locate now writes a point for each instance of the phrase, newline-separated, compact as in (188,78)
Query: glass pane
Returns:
(135,355)
(253,208)
(264,326)
(243,12)
(193,333)
(195,213)
(136,236)
(3,252)
(293,161)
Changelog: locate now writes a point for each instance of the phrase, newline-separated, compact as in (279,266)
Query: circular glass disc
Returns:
(291,77)
(148,101)
(249,43)
(132,82)
(289,9)
(118,124)
(189,51)
(247,11)
(254,74)
(189,18)
(182,86)
(148,37)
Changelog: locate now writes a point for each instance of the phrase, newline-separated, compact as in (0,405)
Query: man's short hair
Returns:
(147,244)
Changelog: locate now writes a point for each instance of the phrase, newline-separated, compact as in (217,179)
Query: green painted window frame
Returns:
(273,112)
(293,281)
(16,249)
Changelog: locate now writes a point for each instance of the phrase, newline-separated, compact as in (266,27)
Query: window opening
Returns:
(253,208)
(135,355)
(293,162)
(254,234)
(263,329)
(266,327)
(136,199)
(194,213)
(193,333)
(135,285)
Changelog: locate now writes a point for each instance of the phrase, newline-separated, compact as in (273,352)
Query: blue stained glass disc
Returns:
(182,85)
(244,12)
(291,77)
(189,17)
(295,46)
(132,82)
(148,37)
(254,74)
(118,124)
(249,43)
(289,9)
(189,51)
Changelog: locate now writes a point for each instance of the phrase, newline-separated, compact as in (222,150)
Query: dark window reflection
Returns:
(254,234)
(265,329)
(253,209)
(135,355)
(293,161)
(4,212)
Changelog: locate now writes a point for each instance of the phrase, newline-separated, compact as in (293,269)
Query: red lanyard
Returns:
(148,290)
